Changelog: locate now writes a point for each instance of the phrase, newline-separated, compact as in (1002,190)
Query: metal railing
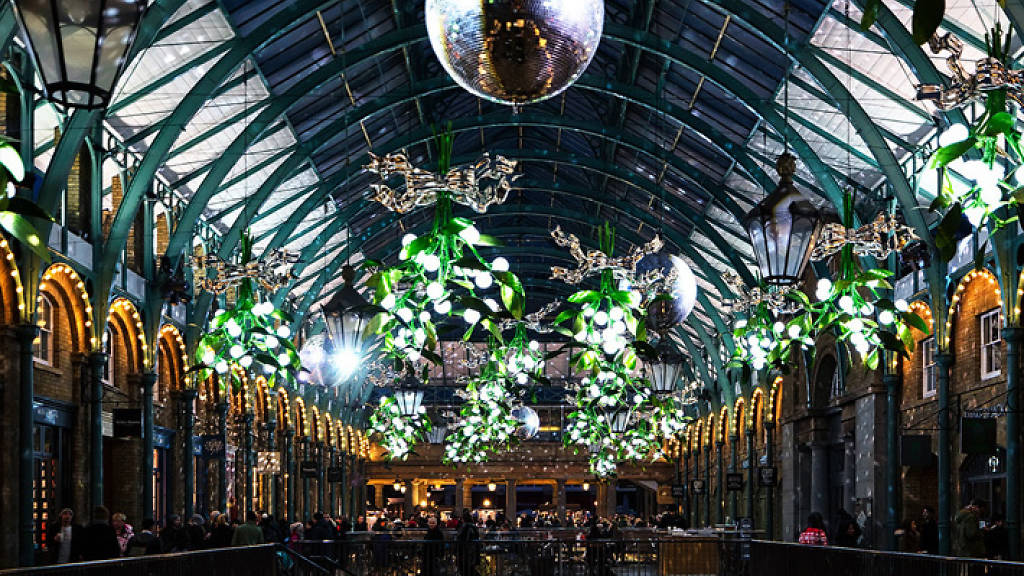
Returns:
(241,561)
(786,559)
(516,557)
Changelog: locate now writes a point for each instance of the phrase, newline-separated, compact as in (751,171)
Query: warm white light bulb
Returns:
(500,264)
(484,281)
(471,316)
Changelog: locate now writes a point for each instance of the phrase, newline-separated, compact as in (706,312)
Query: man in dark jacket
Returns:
(321,529)
(174,537)
(145,542)
(66,539)
(100,540)
(196,531)
(929,530)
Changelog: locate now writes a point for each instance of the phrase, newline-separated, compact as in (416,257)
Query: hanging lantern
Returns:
(783,228)
(346,316)
(409,396)
(80,47)
(618,421)
(667,369)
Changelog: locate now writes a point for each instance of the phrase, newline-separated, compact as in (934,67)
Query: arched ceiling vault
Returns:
(258,114)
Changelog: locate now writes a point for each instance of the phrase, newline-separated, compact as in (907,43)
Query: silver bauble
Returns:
(663,315)
(529,422)
(515,51)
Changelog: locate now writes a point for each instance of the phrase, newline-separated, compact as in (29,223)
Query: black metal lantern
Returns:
(346,316)
(667,369)
(409,396)
(618,421)
(783,228)
(80,47)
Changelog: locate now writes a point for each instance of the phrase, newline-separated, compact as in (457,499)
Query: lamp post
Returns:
(783,228)
(80,48)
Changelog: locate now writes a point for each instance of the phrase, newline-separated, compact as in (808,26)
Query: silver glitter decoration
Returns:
(515,51)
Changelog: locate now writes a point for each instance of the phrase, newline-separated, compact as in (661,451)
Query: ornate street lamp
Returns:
(783,228)
(346,316)
(80,47)
(409,396)
(667,369)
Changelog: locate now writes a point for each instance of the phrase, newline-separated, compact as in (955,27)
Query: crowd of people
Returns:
(107,536)
(972,536)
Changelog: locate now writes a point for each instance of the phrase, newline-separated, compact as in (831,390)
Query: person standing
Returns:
(67,538)
(968,538)
(145,542)
(248,534)
(847,532)
(100,540)
(814,534)
(123,530)
(196,530)
(433,549)
(929,530)
(468,544)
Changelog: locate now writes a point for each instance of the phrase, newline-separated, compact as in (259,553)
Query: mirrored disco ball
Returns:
(529,422)
(666,314)
(515,51)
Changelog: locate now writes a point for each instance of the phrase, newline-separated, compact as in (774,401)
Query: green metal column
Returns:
(356,483)
(720,481)
(943,363)
(148,381)
(222,466)
(97,361)
(26,334)
(331,488)
(305,480)
(289,473)
(321,481)
(271,446)
(751,463)
(188,424)
(734,466)
(696,514)
(769,512)
(707,483)
(247,420)
(891,381)
(1013,336)
(687,503)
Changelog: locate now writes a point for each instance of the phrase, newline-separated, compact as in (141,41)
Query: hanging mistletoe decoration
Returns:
(613,404)
(251,338)
(488,420)
(988,153)
(439,275)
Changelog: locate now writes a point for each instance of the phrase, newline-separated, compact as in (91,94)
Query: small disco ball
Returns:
(665,314)
(515,51)
(529,422)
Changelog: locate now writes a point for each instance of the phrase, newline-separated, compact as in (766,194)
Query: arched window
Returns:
(44,347)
